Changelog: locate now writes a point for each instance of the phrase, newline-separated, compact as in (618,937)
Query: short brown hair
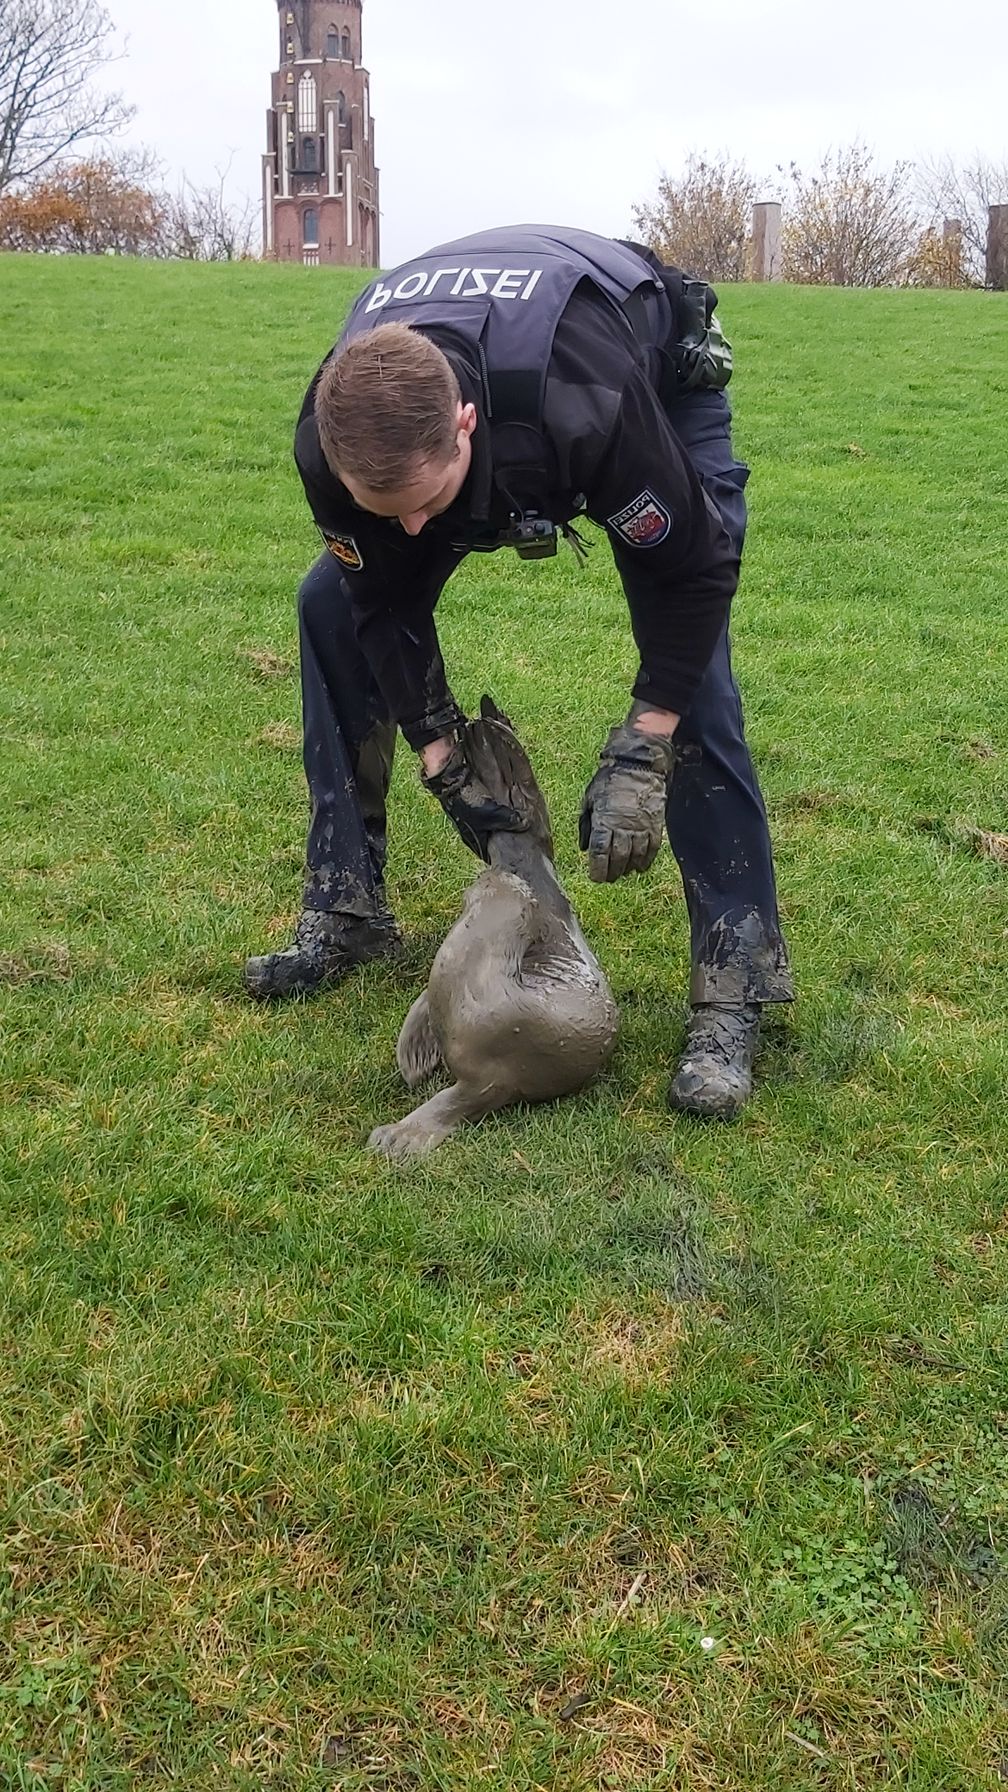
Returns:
(384,404)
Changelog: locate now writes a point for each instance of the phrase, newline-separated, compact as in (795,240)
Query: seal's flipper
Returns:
(418,1053)
(490,712)
(497,757)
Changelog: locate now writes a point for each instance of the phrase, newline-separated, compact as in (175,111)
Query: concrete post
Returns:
(766,231)
(997,247)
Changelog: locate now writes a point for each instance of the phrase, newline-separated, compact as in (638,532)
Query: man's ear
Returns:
(467,418)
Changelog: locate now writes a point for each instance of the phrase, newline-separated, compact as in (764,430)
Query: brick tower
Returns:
(320,183)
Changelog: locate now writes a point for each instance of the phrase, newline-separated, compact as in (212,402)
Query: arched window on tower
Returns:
(309,155)
(341,107)
(307,104)
(309,227)
(346,47)
(332,42)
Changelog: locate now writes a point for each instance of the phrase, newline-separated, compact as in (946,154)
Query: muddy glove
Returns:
(623,813)
(469,805)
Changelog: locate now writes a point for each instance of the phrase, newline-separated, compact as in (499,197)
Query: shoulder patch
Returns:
(643,523)
(345,550)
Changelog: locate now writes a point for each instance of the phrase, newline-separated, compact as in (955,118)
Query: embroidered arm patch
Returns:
(643,523)
(345,550)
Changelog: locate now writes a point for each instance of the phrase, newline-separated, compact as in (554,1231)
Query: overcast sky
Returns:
(568,111)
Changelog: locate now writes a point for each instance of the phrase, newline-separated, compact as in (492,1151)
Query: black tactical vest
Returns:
(503,292)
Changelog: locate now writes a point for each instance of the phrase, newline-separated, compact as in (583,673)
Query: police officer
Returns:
(485,396)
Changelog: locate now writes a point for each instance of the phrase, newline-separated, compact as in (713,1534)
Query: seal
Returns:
(517,1007)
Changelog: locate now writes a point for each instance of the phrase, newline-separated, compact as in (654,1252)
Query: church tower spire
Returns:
(320,183)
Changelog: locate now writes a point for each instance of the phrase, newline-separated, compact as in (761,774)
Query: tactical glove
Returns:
(623,813)
(469,805)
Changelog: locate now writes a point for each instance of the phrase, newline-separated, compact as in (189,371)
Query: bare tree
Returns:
(50,51)
(700,220)
(850,224)
(967,195)
(201,226)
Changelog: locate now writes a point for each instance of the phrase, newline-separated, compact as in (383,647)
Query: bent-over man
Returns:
(483,397)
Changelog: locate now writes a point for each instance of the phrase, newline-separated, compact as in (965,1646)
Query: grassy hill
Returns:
(607,1449)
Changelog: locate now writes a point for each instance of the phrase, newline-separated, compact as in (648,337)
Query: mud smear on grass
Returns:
(977,842)
(268,664)
(932,1542)
(937,1546)
(644,1233)
(46,962)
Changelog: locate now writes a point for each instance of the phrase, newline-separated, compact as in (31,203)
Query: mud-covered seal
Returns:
(516,1007)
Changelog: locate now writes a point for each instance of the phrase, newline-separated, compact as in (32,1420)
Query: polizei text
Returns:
(467,283)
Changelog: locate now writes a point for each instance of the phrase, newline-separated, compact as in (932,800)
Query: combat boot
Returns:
(714,1075)
(324,948)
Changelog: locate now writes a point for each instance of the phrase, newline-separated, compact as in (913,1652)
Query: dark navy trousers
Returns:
(717,824)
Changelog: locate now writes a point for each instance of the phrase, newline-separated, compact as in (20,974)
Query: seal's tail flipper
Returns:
(498,758)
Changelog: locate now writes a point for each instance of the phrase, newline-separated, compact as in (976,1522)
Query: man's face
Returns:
(432,490)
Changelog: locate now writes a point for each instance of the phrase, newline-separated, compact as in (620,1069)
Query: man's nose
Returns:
(415,522)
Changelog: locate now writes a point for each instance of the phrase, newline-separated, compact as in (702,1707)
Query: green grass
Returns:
(317,1474)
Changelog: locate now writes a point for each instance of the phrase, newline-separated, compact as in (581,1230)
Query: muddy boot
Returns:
(324,948)
(714,1075)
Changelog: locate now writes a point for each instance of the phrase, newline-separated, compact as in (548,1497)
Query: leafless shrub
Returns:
(200,225)
(850,223)
(113,204)
(939,258)
(966,193)
(700,220)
